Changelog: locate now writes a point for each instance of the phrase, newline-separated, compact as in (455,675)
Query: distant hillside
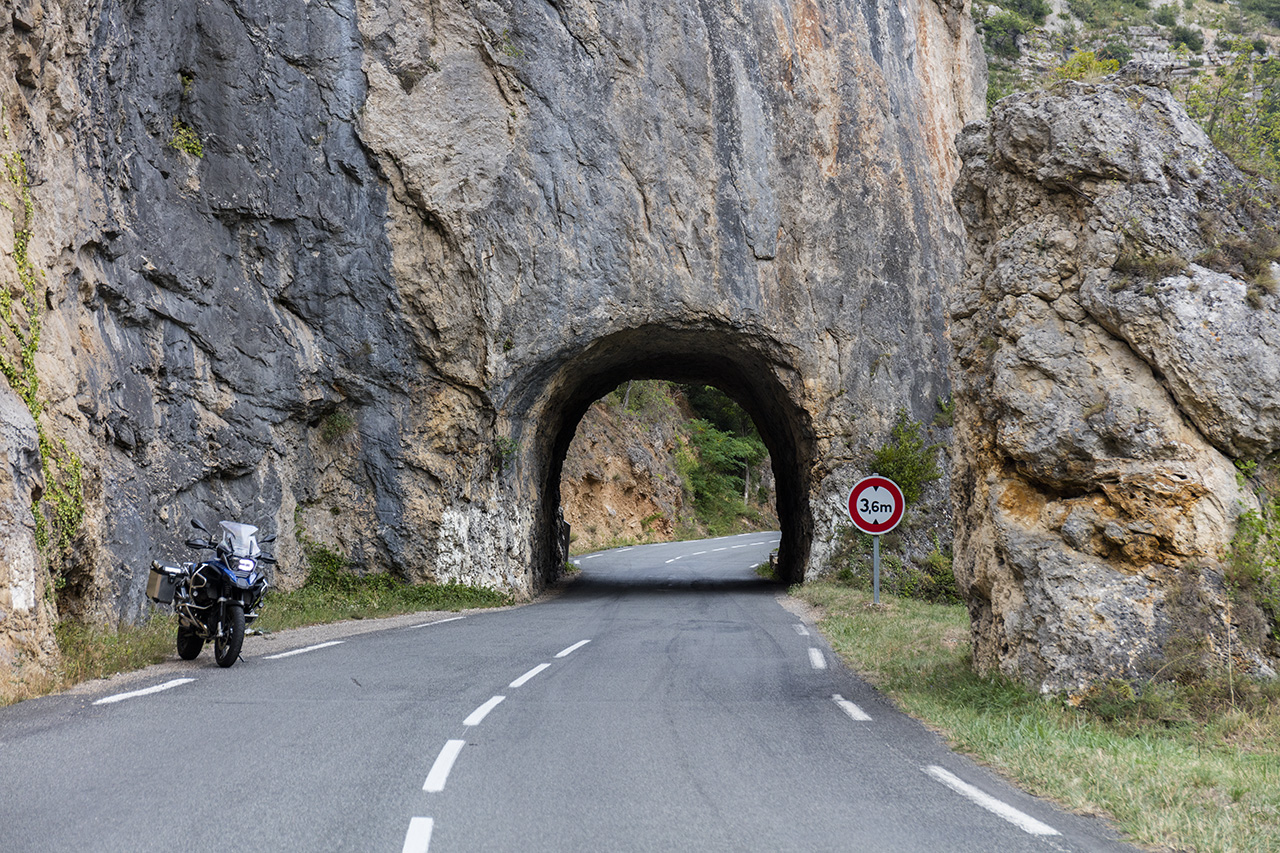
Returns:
(1220,59)
(1026,39)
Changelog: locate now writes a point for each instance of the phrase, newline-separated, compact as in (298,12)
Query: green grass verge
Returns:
(346,596)
(96,652)
(1184,772)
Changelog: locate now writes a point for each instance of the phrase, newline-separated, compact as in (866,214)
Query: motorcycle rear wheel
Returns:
(189,643)
(226,648)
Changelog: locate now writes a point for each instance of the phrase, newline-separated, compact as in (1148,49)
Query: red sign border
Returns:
(871,482)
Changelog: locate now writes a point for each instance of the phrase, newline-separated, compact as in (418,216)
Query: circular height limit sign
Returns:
(876,505)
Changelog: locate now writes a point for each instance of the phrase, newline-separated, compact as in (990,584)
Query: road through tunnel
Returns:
(751,371)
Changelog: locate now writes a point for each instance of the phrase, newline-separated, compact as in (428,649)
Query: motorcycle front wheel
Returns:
(189,643)
(226,647)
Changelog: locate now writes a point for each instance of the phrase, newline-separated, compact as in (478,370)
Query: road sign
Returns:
(876,505)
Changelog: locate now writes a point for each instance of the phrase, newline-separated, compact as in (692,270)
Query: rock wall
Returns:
(25,617)
(1112,360)
(619,480)
(353,270)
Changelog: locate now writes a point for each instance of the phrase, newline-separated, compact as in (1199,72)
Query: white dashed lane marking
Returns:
(478,715)
(519,682)
(146,691)
(437,622)
(816,659)
(439,773)
(855,713)
(1023,821)
(418,838)
(572,649)
(305,649)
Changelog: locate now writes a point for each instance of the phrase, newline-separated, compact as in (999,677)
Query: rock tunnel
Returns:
(741,367)
(453,232)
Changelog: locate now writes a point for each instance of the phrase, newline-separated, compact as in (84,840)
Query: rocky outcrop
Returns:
(620,481)
(1105,379)
(352,271)
(25,615)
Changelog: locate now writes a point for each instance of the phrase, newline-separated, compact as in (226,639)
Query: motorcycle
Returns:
(214,598)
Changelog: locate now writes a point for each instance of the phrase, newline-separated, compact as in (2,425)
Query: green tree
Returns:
(906,459)
(1002,30)
(1035,10)
(720,477)
(1192,38)
(1239,107)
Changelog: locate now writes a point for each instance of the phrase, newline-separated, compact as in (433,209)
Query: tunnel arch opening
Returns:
(754,372)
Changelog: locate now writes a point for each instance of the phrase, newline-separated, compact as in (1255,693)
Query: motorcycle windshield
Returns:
(240,539)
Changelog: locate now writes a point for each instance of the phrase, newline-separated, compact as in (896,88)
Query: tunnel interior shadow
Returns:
(741,367)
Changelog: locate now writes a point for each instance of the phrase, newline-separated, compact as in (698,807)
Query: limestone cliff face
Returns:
(418,237)
(620,481)
(1105,381)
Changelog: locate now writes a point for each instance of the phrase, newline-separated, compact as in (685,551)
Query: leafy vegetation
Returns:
(186,138)
(906,459)
(59,511)
(929,579)
(1184,767)
(1268,9)
(88,651)
(1085,66)
(1253,561)
(1106,14)
(1239,106)
(1001,33)
(336,424)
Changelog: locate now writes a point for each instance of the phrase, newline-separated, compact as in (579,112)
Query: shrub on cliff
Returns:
(906,459)
(1001,32)
(1085,66)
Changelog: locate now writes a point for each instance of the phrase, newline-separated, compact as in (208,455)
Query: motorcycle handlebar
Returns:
(199,543)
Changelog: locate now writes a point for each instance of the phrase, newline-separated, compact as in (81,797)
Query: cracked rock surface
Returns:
(1105,381)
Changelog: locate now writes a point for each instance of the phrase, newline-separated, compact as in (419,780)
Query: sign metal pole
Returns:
(875,570)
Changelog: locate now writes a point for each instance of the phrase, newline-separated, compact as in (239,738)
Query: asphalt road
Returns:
(665,701)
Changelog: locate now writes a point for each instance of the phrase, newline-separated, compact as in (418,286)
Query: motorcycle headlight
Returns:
(247,564)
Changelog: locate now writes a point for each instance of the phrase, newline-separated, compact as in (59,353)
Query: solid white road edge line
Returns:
(519,682)
(816,658)
(483,711)
(572,649)
(855,713)
(147,691)
(437,622)
(444,763)
(1023,821)
(307,649)
(418,838)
